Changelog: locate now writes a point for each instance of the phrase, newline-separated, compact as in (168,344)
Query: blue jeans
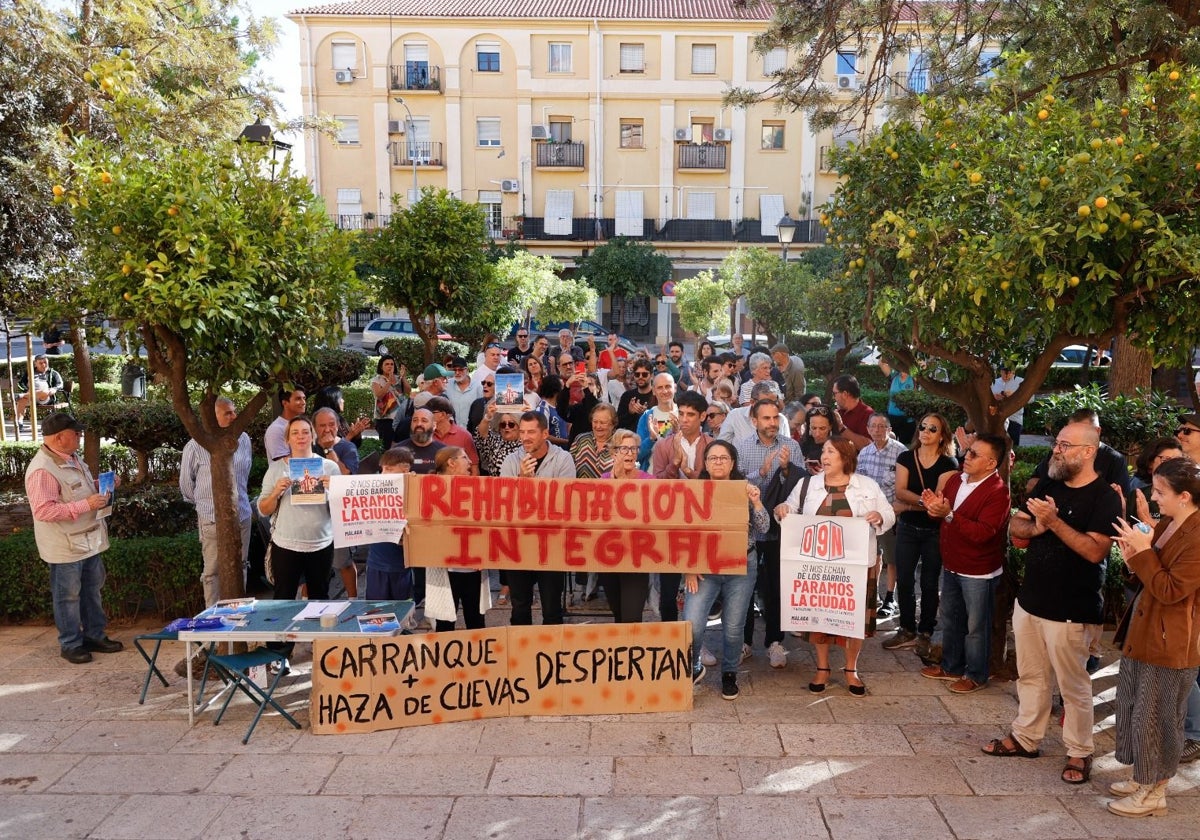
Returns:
(78,613)
(1191,724)
(967,605)
(736,591)
(912,545)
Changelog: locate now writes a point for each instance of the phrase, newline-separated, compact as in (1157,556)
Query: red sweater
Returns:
(974,543)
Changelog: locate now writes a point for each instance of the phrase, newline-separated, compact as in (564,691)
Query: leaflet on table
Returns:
(367,509)
(379,623)
(106,484)
(232,606)
(306,474)
(316,609)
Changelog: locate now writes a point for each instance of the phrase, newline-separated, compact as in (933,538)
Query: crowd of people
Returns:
(938,505)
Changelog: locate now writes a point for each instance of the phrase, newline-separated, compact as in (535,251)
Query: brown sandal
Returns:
(1002,750)
(1085,772)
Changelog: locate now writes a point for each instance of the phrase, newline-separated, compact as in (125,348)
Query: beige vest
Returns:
(70,540)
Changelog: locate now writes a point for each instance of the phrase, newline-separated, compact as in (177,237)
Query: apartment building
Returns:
(570,121)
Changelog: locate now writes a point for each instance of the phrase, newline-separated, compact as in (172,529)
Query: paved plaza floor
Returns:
(80,758)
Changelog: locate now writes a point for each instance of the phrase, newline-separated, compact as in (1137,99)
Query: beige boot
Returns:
(1123,788)
(1146,801)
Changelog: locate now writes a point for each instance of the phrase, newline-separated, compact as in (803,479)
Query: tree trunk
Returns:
(229,528)
(86,390)
(1132,368)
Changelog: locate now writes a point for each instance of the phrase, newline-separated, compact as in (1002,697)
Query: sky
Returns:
(283,66)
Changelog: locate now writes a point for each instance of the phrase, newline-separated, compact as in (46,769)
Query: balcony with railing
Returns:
(416,76)
(361,221)
(589,229)
(420,152)
(568,155)
(707,157)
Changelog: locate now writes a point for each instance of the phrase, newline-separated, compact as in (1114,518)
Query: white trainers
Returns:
(706,658)
(777,655)
(746,653)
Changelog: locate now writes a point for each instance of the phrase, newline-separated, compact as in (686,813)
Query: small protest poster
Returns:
(306,474)
(106,484)
(510,393)
(823,564)
(367,509)
(376,684)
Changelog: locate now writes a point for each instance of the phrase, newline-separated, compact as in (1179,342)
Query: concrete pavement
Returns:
(80,758)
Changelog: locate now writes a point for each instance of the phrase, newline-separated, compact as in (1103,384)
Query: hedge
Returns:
(105,368)
(15,457)
(156,574)
(1126,422)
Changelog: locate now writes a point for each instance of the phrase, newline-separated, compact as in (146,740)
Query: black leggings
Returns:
(289,567)
(465,588)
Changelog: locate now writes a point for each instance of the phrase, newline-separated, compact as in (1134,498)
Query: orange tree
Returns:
(1012,227)
(225,273)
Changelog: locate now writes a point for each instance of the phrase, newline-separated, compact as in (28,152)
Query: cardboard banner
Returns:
(376,684)
(823,564)
(366,509)
(568,524)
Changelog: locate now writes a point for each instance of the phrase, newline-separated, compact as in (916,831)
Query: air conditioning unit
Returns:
(847,81)
(683,135)
(510,185)
(723,135)
(540,132)
(395,126)
(343,77)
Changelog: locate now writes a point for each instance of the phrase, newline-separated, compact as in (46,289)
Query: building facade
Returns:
(569,121)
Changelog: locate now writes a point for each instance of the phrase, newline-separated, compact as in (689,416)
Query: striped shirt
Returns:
(880,465)
(195,478)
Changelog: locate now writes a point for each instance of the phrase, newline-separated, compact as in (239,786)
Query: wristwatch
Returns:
(950,516)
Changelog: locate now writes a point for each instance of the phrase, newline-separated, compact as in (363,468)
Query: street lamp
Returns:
(412,152)
(261,134)
(785,229)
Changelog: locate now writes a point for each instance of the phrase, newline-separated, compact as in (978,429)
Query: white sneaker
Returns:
(746,653)
(706,658)
(777,655)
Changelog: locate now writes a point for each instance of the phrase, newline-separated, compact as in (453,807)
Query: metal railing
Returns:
(707,156)
(569,154)
(421,152)
(416,75)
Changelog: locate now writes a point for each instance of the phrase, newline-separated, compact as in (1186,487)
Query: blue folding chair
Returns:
(232,668)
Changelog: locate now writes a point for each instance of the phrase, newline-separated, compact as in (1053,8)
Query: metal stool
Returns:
(152,658)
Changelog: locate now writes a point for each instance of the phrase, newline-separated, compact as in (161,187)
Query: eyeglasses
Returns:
(628,450)
(1186,431)
(923,428)
(716,459)
(1062,444)
(494,346)
(522,335)
(642,374)
(714,414)
(971,453)
(489,384)
(508,425)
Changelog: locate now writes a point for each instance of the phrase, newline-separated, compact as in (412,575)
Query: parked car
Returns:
(382,330)
(1074,355)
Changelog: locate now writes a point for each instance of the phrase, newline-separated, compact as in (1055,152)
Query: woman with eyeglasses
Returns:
(821,424)
(928,465)
(714,418)
(592,450)
(626,591)
(837,490)
(735,591)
